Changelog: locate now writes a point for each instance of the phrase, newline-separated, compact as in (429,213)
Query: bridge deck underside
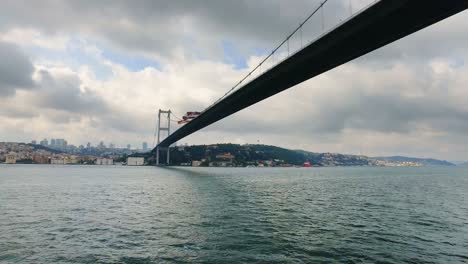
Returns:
(379,25)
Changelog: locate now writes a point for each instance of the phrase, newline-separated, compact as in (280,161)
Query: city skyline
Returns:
(63,143)
(92,83)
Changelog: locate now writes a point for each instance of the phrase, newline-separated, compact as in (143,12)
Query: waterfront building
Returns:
(221,164)
(70,159)
(135,161)
(57,161)
(104,161)
(10,158)
(40,159)
(196,163)
(88,159)
(226,160)
(227,156)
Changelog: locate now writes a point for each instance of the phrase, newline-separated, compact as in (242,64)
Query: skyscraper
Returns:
(145,146)
(44,142)
(60,143)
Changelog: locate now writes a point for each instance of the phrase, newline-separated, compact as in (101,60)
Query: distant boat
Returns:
(306,164)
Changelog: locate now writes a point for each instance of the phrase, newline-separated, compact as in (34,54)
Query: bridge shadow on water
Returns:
(249,215)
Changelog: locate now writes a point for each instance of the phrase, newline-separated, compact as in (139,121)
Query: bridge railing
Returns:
(325,17)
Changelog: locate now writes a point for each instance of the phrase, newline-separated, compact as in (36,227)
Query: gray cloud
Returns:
(158,26)
(8,110)
(64,93)
(15,69)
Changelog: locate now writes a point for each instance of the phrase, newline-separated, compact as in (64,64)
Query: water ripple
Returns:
(152,215)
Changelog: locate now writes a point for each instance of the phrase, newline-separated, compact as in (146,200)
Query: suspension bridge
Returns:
(376,25)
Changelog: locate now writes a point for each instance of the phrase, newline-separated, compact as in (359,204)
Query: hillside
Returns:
(255,154)
(40,147)
(263,154)
(423,161)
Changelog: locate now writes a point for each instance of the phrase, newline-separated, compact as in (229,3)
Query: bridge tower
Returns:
(165,115)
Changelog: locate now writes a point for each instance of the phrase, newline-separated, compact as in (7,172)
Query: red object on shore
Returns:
(307,164)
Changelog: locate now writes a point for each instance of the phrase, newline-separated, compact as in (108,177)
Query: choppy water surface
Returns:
(69,214)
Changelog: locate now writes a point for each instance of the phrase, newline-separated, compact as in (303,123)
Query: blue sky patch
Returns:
(458,63)
(131,62)
(233,56)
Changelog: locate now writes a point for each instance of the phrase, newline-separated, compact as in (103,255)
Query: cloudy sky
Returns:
(98,70)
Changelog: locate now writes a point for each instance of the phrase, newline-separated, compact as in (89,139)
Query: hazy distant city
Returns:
(62,144)
(59,152)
